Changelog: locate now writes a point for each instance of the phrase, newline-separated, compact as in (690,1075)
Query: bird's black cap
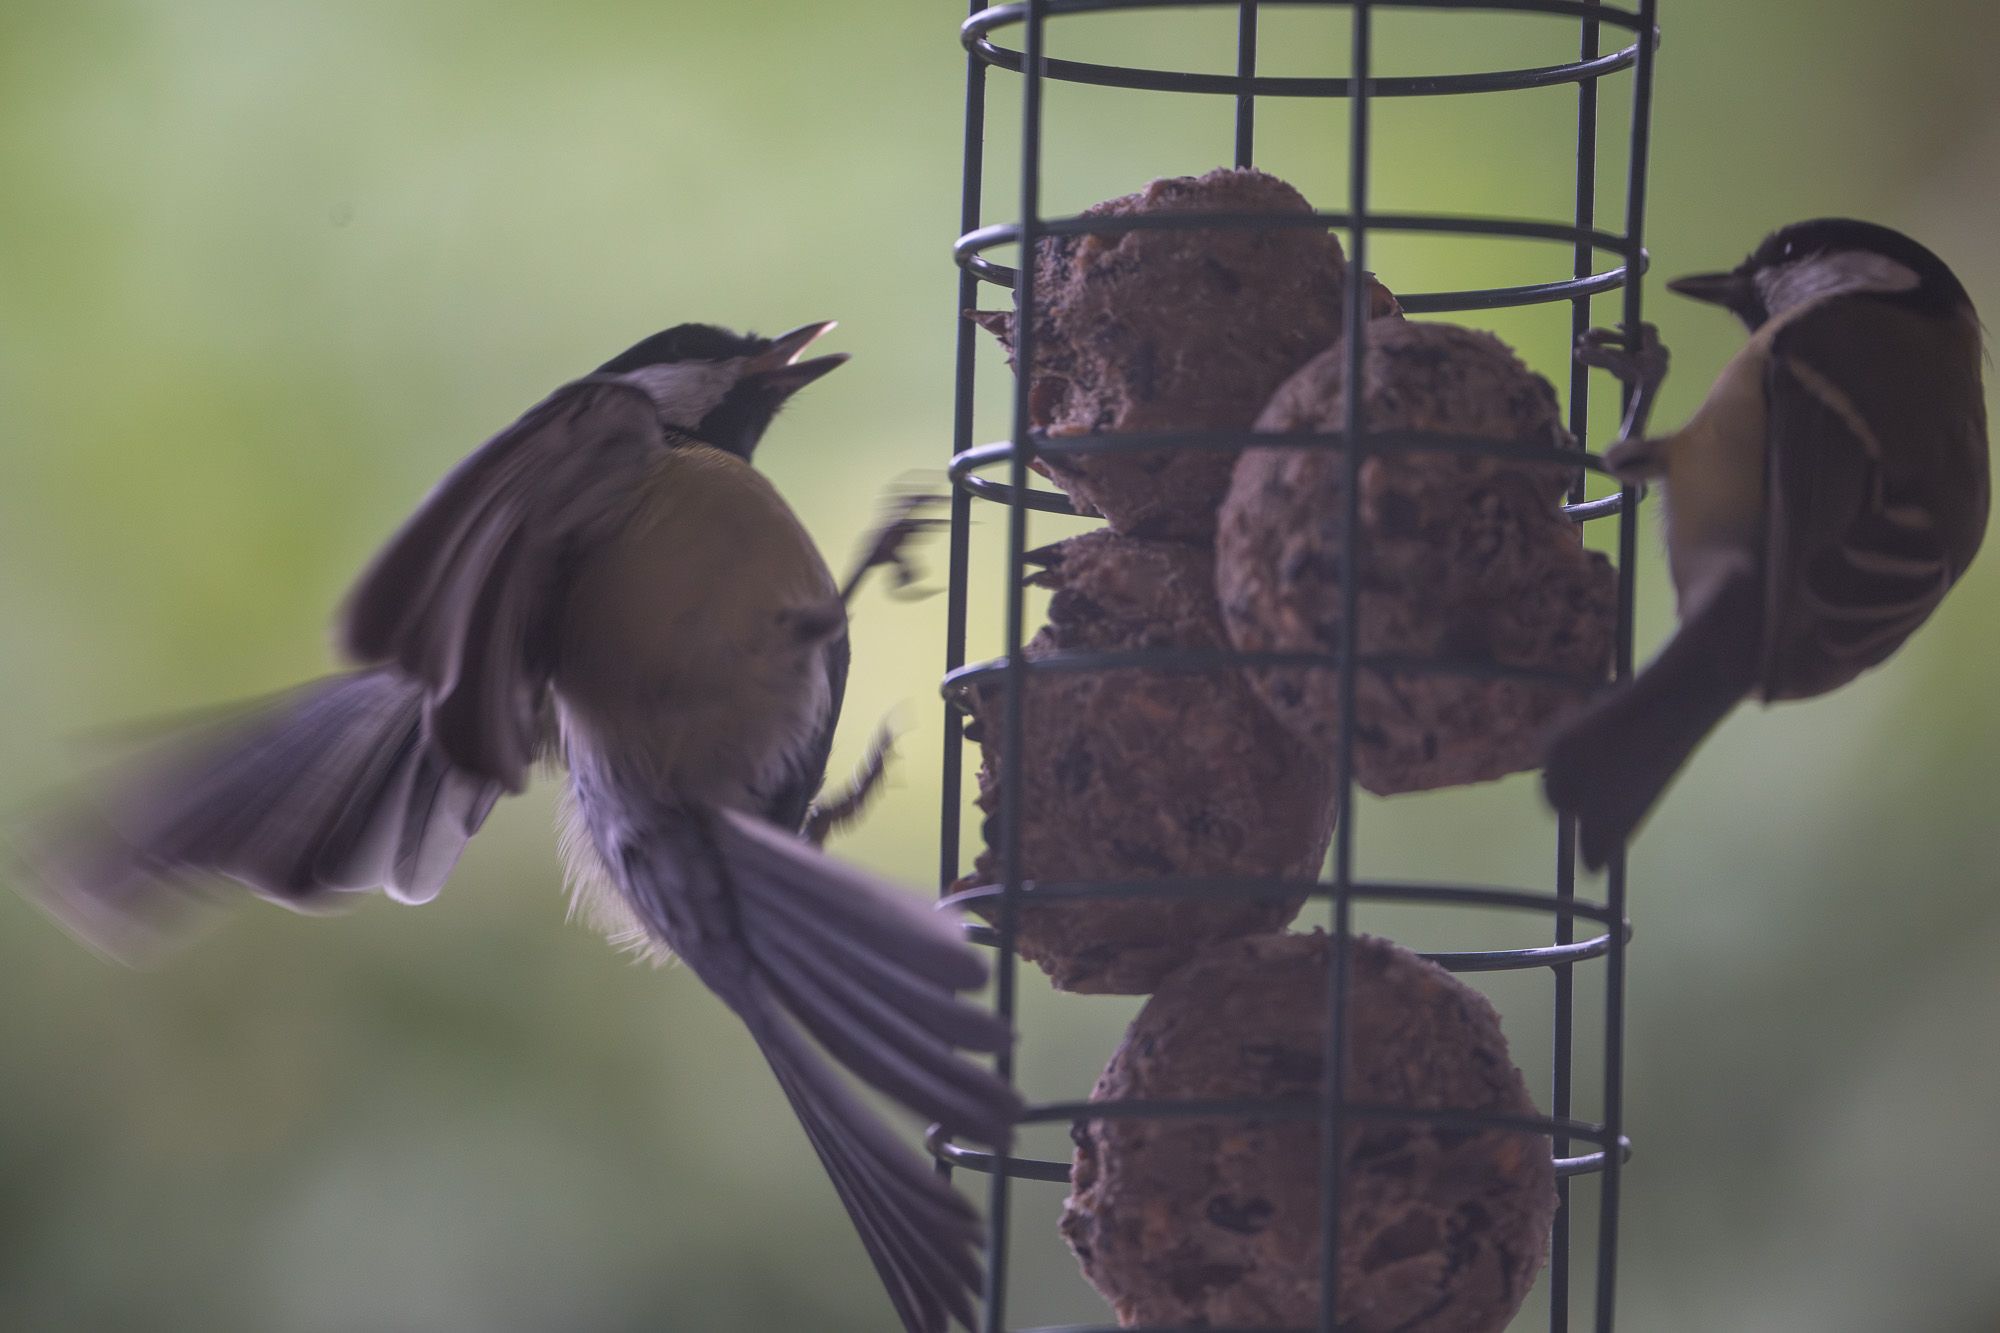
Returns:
(1938,290)
(1937,285)
(684,342)
(769,371)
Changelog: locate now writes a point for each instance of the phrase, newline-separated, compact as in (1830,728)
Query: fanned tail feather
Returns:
(1610,765)
(797,943)
(920,1236)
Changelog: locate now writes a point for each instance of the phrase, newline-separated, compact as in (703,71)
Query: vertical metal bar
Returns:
(1246,68)
(1334,1118)
(964,378)
(1628,545)
(1579,426)
(1012,751)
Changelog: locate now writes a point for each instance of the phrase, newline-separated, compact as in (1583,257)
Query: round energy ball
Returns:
(1137,774)
(1169,331)
(1462,559)
(1217,1222)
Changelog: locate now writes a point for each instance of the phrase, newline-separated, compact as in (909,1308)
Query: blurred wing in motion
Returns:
(463,597)
(329,788)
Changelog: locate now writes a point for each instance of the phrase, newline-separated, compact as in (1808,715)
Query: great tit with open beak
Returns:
(610,584)
(1819,504)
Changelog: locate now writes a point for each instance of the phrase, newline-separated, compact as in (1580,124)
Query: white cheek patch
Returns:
(687,391)
(1821,276)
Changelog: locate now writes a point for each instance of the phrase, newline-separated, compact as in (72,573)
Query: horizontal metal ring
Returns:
(986,1163)
(1056,1172)
(957,683)
(976,32)
(1593,1162)
(1304,1108)
(1055,502)
(1382,891)
(1032,497)
(1374,444)
(1516,960)
(1585,511)
(1465,960)
(969,249)
(995,234)
(963,468)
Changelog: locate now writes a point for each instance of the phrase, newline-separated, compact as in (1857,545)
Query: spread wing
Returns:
(463,597)
(1877,473)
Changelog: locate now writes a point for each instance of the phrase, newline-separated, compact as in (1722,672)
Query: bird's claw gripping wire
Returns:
(1639,360)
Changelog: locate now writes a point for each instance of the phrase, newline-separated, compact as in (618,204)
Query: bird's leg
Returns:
(903,519)
(824,816)
(1640,362)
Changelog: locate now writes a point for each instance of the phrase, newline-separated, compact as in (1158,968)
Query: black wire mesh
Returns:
(1605,939)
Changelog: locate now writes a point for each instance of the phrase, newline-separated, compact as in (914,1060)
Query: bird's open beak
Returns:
(778,367)
(1731,290)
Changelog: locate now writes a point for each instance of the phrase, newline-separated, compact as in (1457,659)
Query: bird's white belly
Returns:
(1714,492)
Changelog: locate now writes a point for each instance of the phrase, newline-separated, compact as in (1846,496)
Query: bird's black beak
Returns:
(1734,290)
(778,369)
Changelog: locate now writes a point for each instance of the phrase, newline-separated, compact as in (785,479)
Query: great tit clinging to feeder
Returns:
(1819,505)
(610,584)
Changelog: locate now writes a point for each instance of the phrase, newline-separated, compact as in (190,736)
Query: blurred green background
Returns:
(267,269)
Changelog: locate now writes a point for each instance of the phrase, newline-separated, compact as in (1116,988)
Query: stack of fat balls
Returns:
(1223,776)
(1184,1222)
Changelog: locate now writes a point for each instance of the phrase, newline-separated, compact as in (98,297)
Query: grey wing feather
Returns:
(462,598)
(329,788)
(1877,484)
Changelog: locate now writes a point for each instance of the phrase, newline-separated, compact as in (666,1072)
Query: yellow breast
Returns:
(688,637)
(1715,475)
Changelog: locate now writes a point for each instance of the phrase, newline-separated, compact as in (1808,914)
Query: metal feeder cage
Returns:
(1581,932)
